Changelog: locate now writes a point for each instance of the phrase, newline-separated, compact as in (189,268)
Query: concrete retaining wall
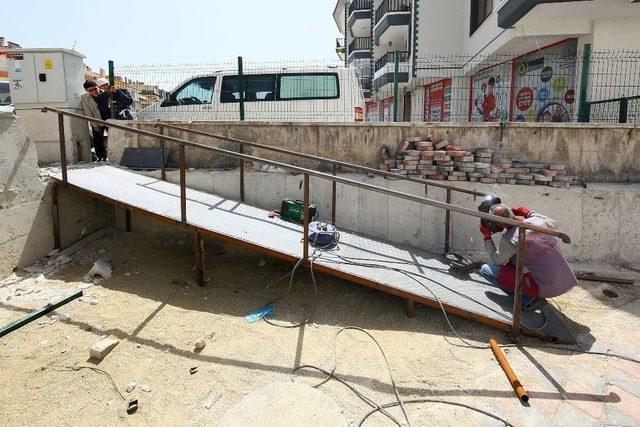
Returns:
(599,153)
(600,219)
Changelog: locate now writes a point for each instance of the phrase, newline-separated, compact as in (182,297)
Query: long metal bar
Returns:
(396,71)
(241,150)
(517,296)
(333,194)
(63,148)
(447,225)
(37,314)
(55,216)
(183,187)
(198,246)
(305,237)
(163,172)
(413,198)
(342,164)
(511,376)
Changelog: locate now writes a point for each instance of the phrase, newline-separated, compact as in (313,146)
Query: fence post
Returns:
(163,173)
(447,224)
(111,82)
(305,238)
(241,148)
(396,69)
(63,147)
(624,107)
(583,115)
(183,188)
(517,296)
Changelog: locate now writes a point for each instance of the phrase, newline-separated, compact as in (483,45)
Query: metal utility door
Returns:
(22,78)
(50,77)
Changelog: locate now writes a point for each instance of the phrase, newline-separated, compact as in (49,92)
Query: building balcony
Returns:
(341,49)
(385,68)
(359,48)
(391,15)
(359,17)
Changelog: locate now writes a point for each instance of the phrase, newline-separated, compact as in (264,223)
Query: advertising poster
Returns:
(372,111)
(490,94)
(387,109)
(437,101)
(545,85)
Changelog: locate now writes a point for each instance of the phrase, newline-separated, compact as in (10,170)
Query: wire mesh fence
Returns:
(556,83)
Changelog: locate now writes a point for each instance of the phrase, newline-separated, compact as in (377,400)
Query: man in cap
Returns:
(92,104)
(546,271)
(121,99)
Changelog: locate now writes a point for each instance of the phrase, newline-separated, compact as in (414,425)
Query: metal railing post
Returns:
(241,104)
(241,150)
(517,295)
(163,173)
(112,107)
(63,148)
(624,108)
(447,224)
(55,216)
(333,195)
(396,70)
(583,115)
(305,238)
(183,188)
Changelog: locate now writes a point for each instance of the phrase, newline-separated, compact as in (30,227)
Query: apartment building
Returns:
(490,60)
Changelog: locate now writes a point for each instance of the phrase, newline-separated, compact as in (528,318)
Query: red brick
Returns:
(441,144)
(488,180)
(454,148)
(402,145)
(517,170)
(557,167)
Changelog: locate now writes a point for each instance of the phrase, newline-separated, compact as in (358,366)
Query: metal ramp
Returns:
(418,276)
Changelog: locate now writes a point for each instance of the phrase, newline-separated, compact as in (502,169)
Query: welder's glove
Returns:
(521,211)
(548,221)
(485,231)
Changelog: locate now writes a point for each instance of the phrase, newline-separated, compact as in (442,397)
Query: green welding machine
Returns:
(293,210)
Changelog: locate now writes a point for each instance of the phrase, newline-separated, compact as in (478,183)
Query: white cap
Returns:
(102,81)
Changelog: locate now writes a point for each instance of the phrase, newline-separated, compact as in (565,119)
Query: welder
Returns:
(546,271)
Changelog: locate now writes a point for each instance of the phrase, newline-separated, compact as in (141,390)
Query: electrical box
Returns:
(39,77)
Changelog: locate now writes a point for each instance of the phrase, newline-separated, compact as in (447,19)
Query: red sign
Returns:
(524,99)
(570,96)
(437,101)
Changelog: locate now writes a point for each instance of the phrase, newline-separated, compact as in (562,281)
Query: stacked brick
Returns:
(443,161)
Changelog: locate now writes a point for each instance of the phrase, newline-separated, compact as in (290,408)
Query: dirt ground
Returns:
(154,307)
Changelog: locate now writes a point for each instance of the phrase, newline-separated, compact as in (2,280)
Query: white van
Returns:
(319,94)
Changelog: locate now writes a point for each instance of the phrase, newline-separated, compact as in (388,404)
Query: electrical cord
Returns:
(63,368)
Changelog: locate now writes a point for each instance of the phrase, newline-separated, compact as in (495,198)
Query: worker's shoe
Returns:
(536,304)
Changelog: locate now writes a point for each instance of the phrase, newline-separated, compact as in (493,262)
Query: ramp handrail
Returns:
(310,172)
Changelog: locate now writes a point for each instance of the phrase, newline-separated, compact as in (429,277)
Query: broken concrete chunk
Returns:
(103,347)
(40,278)
(53,253)
(63,259)
(145,387)
(200,344)
(130,387)
(101,268)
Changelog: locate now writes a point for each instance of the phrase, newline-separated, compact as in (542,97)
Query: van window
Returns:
(309,86)
(5,94)
(257,87)
(196,91)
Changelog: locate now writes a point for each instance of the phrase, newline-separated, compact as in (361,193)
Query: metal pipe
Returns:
(342,164)
(511,376)
(63,148)
(342,180)
(163,174)
(447,225)
(127,219)
(241,150)
(517,296)
(183,188)
(37,314)
(333,195)
(55,214)
(305,237)
(198,245)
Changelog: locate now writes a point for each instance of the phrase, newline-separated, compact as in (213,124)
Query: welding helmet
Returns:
(486,204)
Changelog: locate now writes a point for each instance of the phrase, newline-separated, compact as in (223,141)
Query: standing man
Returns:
(546,271)
(91,106)
(121,98)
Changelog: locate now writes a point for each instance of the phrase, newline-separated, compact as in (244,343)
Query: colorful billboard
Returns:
(491,94)
(544,87)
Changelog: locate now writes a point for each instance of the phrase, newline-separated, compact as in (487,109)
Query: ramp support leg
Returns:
(241,150)
(55,214)
(127,219)
(305,237)
(517,297)
(411,308)
(198,246)
(333,196)
(183,189)
(447,225)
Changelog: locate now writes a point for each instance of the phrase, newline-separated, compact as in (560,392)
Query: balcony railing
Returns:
(360,5)
(391,6)
(389,58)
(360,43)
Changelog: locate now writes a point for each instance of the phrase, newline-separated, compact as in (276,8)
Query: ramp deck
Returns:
(417,275)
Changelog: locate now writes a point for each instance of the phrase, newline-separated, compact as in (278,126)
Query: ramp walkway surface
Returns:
(412,273)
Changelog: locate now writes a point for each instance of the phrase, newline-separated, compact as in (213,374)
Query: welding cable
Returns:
(331,374)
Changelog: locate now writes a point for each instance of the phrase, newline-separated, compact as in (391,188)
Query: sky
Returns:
(170,32)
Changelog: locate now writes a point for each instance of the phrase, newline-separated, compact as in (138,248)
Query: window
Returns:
(308,86)
(5,94)
(196,91)
(257,87)
(480,11)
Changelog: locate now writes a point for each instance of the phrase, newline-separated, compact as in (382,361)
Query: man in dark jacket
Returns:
(122,99)
(93,106)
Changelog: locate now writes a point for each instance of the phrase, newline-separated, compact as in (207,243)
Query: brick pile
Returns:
(444,161)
